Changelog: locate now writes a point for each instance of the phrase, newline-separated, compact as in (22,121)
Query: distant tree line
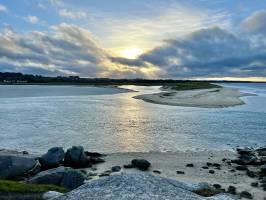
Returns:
(19,78)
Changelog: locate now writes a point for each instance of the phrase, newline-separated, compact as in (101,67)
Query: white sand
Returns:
(206,98)
(168,163)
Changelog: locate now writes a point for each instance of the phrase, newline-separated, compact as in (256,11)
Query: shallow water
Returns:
(35,118)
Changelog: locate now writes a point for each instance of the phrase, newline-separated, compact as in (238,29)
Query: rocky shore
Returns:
(194,175)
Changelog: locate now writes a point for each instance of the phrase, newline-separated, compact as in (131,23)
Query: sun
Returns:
(131,53)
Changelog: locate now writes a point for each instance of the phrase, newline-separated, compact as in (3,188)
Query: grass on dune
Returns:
(17,187)
(194,86)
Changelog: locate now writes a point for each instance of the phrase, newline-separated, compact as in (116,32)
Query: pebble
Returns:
(156,171)
(190,165)
(180,172)
(211,171)
(246,194)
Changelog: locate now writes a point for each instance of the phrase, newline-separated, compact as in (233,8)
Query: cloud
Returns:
(66,50)
(256,23)
(211,52)
(3,8)
(32,19)
(71,14)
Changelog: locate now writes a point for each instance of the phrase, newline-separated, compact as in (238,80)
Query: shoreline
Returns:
(203,98)
(219,168)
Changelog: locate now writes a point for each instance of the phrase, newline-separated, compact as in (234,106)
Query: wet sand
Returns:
(204,98)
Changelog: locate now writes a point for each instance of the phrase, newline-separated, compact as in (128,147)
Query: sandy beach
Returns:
(205,98)
(169,163)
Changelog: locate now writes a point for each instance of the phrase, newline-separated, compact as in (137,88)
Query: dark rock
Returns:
(106,173)
(263,160)
(261,151)
(251,174)
(76,157)
(263,169)
(96,160)
(232,170)
(205,167)
(224,159)
(25,152)
(245,194)
(190,165)
(209,164)
(211,171)
(72,179)
(156,171)
(12,167)
(180,172)
(129,166)
(141,164)
(94,154)
(217,186)
(254,184)
(53,158)
(216,165)
(219,168)
(116,169)
(241,168)
(245,151)
(231,189)
(61,176)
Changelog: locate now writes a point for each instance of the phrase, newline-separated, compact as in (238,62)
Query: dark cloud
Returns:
(68,50)
(211,52)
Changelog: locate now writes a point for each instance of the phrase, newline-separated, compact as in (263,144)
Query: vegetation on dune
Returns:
(17,187)
(194,86)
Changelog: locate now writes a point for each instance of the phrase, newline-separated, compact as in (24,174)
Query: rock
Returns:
(231,189)
(72,179)
(129,166)
(25,152)
(209,164)
(156,171)
(254,184)
(246,194)
(190,165)
(263,169)
(134,186)
(205,167)
(96,160)
(141,164)
(93,154)
(12,167)
(53,158)
(251,174)
(263,160)
(216,165)
(211,171)
(76,157)
(61,176)
(261,151)
(180,172)
(116,169)
(51,195)
(241,168)
(245,151)
(217,186)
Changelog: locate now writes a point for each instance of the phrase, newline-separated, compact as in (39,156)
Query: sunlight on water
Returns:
(109,121)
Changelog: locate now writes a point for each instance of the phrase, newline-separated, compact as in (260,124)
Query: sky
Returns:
(179,39)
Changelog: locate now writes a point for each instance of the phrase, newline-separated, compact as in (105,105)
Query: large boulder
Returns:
(76,157)
(135,186)
(141,164)
(53,158)
(61,176)
(13,167)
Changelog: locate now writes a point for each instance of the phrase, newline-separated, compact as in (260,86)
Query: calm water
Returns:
(35,118)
